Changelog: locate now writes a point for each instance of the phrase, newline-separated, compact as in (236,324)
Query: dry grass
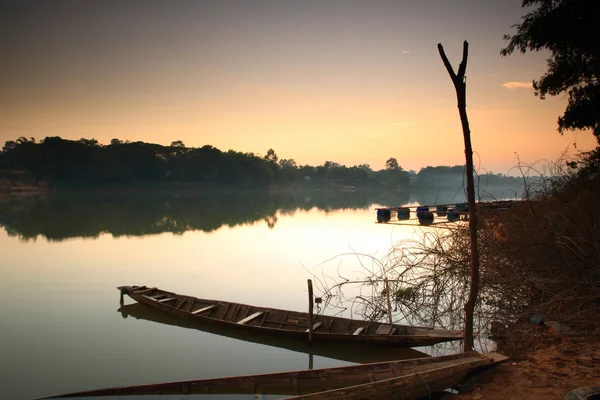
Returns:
(548,264)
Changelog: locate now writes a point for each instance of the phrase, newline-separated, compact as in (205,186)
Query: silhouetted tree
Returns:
(89,142)
(331,165)
(569,30)
(9,145)
(177,143)
(271,156)
(289,169)
(392,165)
(460,85)
(283,163)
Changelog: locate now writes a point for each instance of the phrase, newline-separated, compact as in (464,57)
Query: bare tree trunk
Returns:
(461,94)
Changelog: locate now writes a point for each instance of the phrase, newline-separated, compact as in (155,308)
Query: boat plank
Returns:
(250,317)
(167,299)
(316,325)
(146,290)
(359,330)
(203,309)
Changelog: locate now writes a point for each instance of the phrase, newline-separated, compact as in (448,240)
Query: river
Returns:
(63,257)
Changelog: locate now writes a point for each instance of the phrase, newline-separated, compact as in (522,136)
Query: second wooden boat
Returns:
(291,324)
(406,379)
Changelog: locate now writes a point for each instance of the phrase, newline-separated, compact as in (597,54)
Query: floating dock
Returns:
(435,214)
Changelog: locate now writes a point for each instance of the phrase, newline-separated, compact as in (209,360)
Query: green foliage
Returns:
(569,30)
(407,294)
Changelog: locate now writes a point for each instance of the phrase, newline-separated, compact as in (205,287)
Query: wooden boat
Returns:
(292,324)
(360,354)
(406,379)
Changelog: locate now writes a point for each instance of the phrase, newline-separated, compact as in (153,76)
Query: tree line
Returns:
(86,162)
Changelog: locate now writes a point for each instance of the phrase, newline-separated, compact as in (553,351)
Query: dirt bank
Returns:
(556,366)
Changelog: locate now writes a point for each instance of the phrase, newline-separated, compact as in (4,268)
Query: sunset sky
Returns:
(342,80)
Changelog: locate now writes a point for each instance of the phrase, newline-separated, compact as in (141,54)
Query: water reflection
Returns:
(88,215)
(83,214)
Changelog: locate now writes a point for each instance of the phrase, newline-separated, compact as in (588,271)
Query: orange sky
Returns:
(347,81)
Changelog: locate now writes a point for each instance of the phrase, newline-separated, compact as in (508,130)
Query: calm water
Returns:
(63,257)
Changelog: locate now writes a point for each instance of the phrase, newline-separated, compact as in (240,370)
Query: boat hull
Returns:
(291,324)
(405,379)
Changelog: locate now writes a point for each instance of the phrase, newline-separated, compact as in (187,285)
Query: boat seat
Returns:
(359,330)
(153,298)
(385,329)
(251,317)
(316,325)
(145,290)
(167,299)
(201,310)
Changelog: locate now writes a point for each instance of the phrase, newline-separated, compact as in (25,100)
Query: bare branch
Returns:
(463,64)
(446,62)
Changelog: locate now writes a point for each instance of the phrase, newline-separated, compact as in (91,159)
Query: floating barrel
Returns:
(425,216)
(462,207)
(404,213)
(384,215)
(453,215)
(441,211)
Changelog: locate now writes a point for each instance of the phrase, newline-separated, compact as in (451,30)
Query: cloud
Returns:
(405,51)
(517,85)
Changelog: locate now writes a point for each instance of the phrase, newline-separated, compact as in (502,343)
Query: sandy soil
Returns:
(558,365)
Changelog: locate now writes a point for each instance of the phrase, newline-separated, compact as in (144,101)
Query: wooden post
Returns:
(461,94)
(310,312)
(389,304)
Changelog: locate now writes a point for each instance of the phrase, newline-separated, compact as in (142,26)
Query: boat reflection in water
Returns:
(338,351)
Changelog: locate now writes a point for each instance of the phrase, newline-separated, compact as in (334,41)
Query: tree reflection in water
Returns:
(85,214)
